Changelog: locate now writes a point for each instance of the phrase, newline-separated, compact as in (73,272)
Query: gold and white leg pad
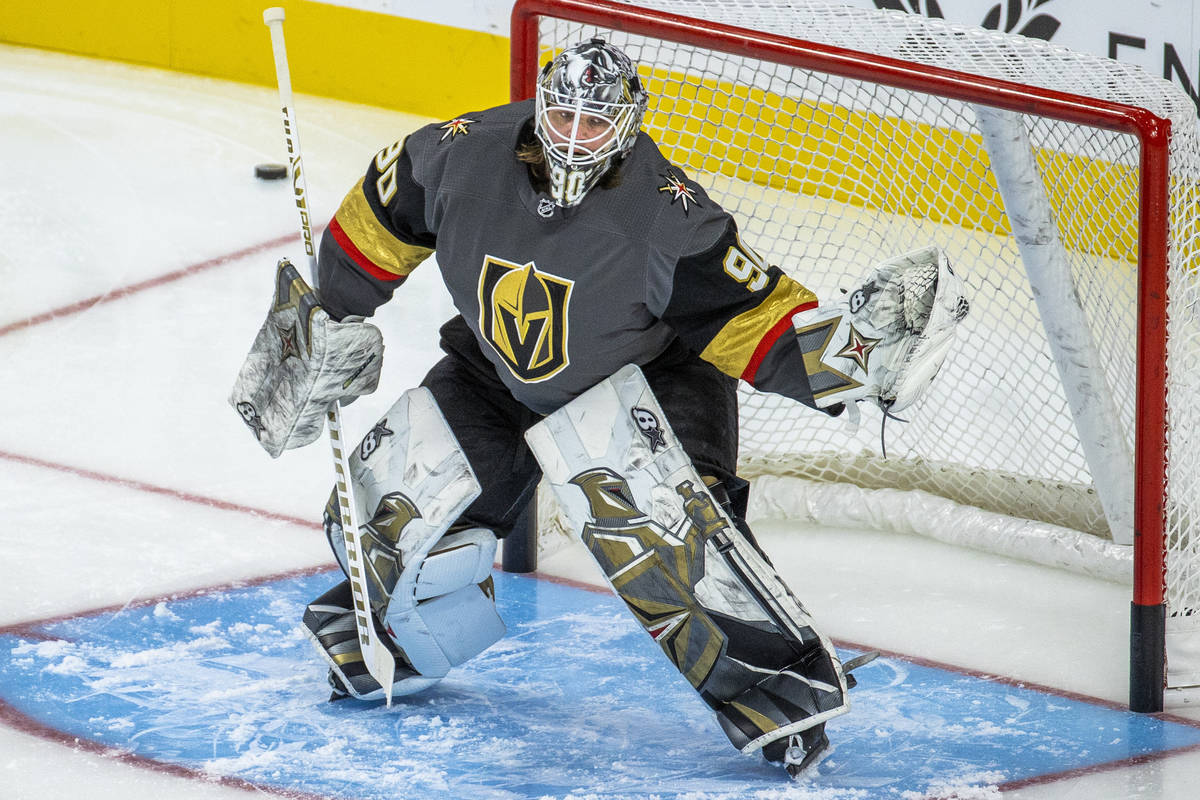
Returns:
(430,592)
(718,610)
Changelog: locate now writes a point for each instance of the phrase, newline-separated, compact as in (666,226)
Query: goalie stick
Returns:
(379,660)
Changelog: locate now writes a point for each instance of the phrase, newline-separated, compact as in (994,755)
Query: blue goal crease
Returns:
(575,701)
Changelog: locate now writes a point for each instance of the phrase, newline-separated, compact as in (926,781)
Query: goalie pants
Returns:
(699,400)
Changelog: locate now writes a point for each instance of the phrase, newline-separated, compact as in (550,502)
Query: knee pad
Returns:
(456,561)
(450,618)
(452,615)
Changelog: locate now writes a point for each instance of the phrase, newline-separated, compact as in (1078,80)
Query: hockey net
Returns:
(1027,442)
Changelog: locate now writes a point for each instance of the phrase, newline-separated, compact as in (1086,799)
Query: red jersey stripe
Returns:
(368,266)
(768,341)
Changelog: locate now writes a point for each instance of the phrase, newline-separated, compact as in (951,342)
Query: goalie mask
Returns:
(590,105)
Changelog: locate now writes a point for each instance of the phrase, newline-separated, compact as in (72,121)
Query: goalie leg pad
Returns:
(442,610)
(431,593)
(887,340)
(716,607)
(447,630)
(453,618)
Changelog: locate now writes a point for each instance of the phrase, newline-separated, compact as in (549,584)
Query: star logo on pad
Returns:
(858,348)
(287,343)
(679,191)
(454,127)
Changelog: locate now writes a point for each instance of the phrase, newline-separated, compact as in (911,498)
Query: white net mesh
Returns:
(827,176)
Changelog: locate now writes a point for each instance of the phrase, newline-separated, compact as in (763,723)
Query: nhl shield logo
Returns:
(523,316)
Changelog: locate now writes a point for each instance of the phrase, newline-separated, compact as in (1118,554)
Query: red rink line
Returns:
(129,483)
(20,721)
(150,283)
(1050,777)
(28,630)
(15,719)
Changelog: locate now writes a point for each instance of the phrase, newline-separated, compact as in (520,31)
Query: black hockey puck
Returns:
(271,172)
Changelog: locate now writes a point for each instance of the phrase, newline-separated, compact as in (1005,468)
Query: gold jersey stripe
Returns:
(735,344)
(373,240)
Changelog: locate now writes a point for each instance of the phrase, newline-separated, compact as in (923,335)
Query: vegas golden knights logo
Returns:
(655,570)
(523,316)
(823,377)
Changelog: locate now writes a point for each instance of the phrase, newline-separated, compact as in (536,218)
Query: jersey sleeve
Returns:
(736,311)
(377,237)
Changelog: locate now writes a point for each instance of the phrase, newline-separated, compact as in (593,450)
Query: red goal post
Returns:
(720,27)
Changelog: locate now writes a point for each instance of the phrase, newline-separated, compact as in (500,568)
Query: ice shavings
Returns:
(969,786)
(163,611)
(576,702)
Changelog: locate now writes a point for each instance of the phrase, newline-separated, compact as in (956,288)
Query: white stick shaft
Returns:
(377,657)
(273,17)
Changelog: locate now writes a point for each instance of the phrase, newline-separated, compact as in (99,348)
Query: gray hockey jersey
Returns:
(560,299)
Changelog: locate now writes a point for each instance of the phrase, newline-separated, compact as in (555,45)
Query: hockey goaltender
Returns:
(607,308)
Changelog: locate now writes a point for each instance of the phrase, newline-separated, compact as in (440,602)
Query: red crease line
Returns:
(26,724)
(1096,769)
(30,629)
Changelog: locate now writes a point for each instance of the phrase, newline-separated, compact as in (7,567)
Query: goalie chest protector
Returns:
(558,299)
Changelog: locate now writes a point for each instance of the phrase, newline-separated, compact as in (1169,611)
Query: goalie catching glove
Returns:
(887,339)
(301,362)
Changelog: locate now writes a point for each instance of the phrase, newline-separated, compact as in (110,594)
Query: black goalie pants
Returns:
(700,402)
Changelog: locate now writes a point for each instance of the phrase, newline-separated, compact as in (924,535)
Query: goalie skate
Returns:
(798,751)
(887,340)
(329,622)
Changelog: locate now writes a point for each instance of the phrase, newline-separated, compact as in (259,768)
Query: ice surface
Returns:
(575,700)
(126,475)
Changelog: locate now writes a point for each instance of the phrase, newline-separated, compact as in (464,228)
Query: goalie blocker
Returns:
(700,589)
(301,362)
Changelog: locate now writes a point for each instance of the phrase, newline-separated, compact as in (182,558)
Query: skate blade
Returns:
(811,758)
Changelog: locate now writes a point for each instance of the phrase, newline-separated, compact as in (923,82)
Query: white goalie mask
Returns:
(589,105)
